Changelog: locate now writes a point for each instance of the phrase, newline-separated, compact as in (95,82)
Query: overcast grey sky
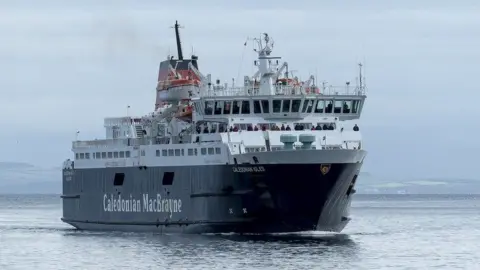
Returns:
(65,65)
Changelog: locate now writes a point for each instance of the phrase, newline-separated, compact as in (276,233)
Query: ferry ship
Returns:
(276,154)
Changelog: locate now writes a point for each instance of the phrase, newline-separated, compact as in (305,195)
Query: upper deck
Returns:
(288,103)
(285,90)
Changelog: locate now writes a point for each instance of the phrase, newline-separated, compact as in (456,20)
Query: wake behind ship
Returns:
(275,154)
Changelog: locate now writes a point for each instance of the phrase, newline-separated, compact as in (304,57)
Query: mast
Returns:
(360,74)
(266,70)
(179,45)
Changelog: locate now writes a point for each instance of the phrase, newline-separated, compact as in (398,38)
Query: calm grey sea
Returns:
(387,232)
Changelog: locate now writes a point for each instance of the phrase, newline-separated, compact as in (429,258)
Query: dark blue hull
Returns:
(268,198)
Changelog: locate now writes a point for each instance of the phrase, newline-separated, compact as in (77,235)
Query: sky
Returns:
(65,65)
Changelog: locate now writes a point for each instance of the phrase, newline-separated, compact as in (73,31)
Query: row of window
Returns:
(280,106)
(273,148)
(165,152)
(103,155)
(273,126)
(191,152)
(174,152)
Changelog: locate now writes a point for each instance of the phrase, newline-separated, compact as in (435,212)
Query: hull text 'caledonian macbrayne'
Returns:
(273,155)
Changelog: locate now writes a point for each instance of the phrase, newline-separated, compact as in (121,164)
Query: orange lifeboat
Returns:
(165,85)
(285,81)
(185,112)
(182,82)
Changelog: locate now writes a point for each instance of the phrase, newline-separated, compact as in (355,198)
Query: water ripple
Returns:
(404,237)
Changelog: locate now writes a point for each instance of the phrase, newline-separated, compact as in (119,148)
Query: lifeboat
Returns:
(182,82)
(184,112)
(171,83)
(285,81)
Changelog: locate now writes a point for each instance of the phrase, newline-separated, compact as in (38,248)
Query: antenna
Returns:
(360,74)
(179,44)
(364,72)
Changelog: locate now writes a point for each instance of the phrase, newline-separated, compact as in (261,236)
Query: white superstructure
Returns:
(217,124)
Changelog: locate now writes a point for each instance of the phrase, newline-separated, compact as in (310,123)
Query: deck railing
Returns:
(109,143)
(126,142)
(285,90)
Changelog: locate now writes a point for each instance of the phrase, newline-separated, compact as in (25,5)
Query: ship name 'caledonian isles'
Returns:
(117,203)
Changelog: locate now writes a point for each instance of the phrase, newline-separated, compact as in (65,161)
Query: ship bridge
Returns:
(287,104)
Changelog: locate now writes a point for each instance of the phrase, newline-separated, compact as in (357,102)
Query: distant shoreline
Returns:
(354,196)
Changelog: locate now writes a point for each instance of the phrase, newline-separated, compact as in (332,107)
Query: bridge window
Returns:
(329,106)
(226,107)
(211,151)
(110,155)
(218,107)
(246,107)
(265,106)
(256,107)
(190,152)
(236,107)
(164,152)
(122,154)
(217,150)
(197,107)
(355,106)
(203,151)
(276,104)
(338,106)
(320,106)
(104,155)
(286,106)
(82,155)
(97,155)
(347,105)
(307,106)
(170,152)
(195,151)
(208,107)
(296,105)
(115,154)
(157,153)
(177,152)
(127,154)
(87,155)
